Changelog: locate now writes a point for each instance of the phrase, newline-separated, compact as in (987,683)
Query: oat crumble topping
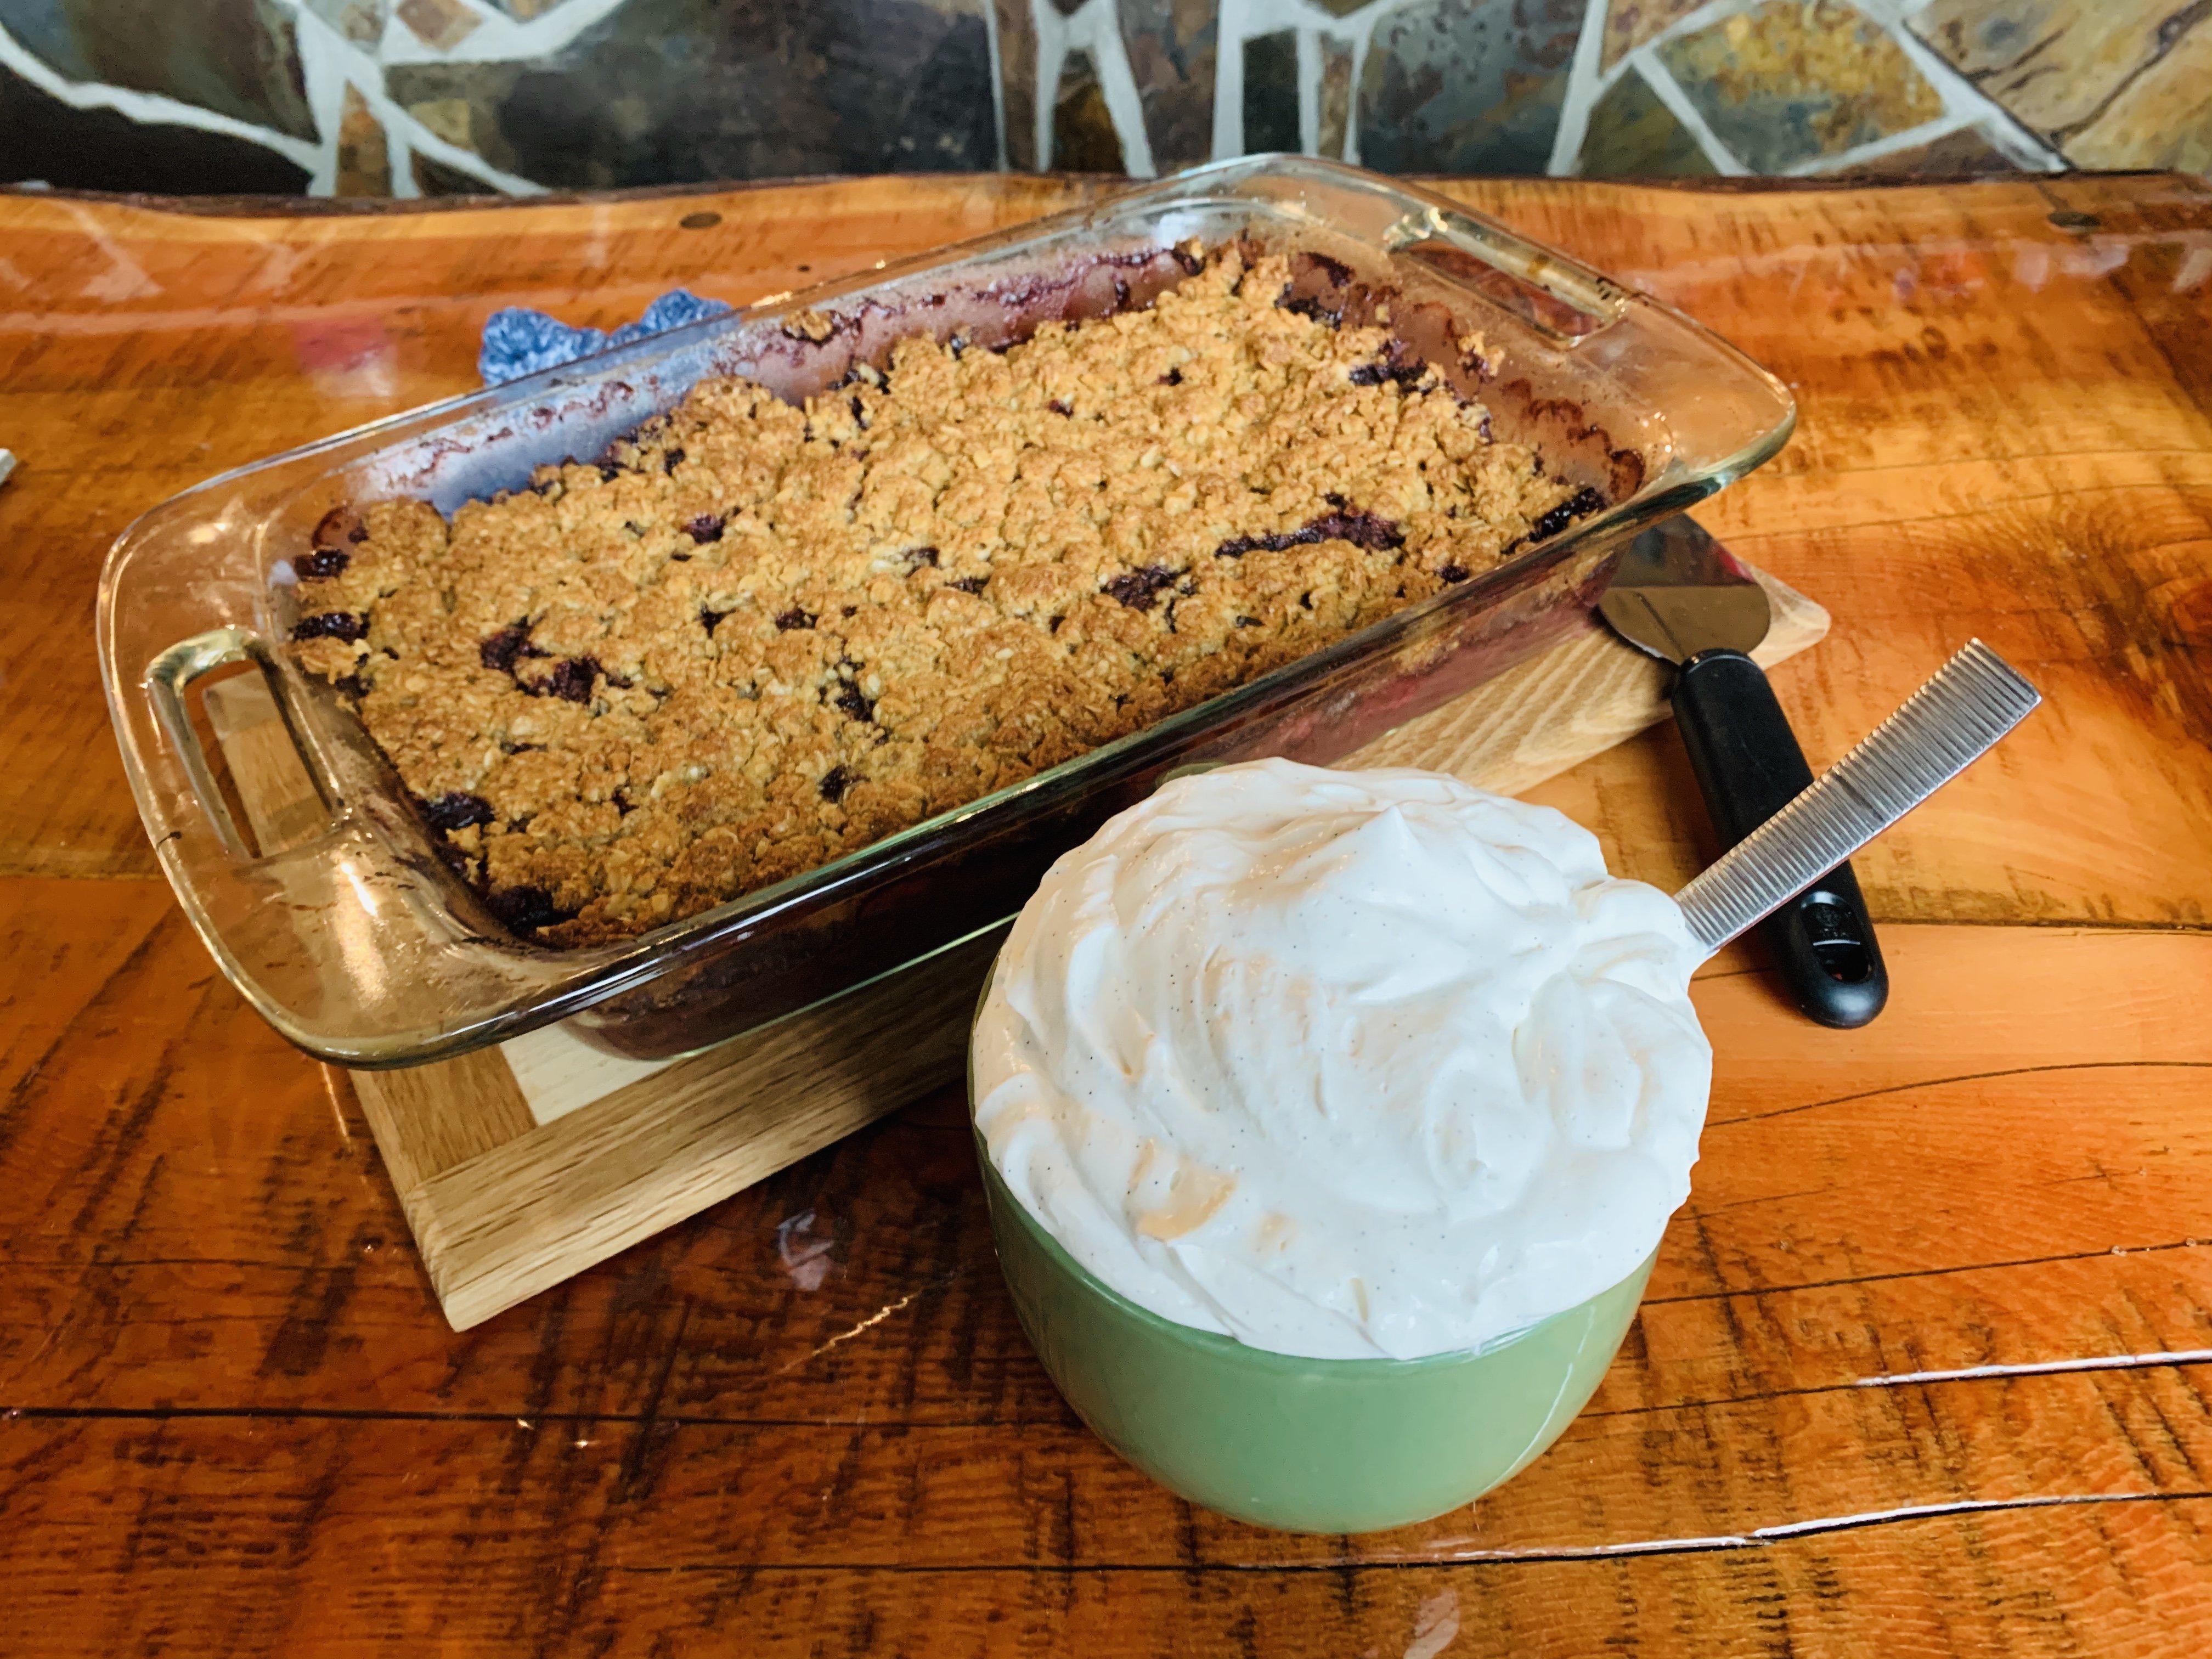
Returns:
(757,637)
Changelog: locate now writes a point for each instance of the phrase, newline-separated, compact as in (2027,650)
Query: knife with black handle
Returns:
(1678,594)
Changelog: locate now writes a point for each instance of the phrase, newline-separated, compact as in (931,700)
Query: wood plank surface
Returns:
(232,1420)
(503,1201)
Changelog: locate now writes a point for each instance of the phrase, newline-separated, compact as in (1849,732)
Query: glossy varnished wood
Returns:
(805,1422)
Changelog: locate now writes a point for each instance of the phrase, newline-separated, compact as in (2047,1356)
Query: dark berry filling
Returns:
(1405,373)
(707,527)
(570,680)
(1314,309)
(498,651)
(1140,589)
(322,564)
(456,809)
(707,619)
(968,584)
(850,698)
(834,782)
(1343,524)
(918,556)
(524,909)
(1583,502)
(1336,270)
(1454,572)
(1059,406)
(790,619)
(331,625)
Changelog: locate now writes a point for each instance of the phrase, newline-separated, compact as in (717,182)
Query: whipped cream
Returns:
(1344,1063)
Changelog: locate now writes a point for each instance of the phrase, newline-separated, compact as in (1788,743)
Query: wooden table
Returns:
(1924,1369)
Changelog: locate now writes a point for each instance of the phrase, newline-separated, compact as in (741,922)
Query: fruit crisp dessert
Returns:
(756,636)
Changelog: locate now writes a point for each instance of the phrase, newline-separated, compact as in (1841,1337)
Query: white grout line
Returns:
(1670,92)
(148,108)
(497,38)
(1229,35)
(1960,94)
(1941,126)
(1095,28)
(2119,1362)
(998,82)
(330,62)
(1049,30)
(405,135)
(1098,26)
(1586,83)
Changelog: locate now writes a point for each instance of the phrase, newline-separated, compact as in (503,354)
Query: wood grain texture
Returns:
(2002,419)
(542,1205)
(232,1420)
(503,1203)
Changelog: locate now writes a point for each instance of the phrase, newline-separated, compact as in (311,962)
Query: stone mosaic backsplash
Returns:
(429,97)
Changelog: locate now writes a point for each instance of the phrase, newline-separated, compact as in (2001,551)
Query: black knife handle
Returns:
(1749,767)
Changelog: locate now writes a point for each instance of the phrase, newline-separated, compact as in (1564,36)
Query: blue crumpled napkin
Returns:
(519,342)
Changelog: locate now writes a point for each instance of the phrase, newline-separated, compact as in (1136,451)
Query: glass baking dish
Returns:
(360,946)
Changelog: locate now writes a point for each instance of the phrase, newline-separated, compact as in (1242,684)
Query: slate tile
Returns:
(1632,135)
(360,21)
(735,89)
(1083,135)
(239,58)
(2161,118)
(1170,46)
(1271,92)
(1966,153)
(441,23)
(364,156)
(43,139)
(1335,112)
(453,119)
(1630,24)
(435,178)
(1789,82)
(2054,65)
(1017,73)
(1466,86)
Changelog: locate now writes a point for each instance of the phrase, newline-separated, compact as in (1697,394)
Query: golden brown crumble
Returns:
(757,637)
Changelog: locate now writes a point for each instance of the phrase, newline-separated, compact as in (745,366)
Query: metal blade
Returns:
(1943,728)
(1676,592)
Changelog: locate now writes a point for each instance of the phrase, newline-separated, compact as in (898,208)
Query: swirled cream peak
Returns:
(1344,1063)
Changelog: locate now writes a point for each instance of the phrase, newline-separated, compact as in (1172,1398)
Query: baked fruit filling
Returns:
(756,636)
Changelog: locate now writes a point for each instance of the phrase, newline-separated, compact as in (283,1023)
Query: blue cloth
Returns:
(517,341)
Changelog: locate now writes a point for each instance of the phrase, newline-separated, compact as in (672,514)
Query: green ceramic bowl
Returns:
(1308,1445)
(1305,1445)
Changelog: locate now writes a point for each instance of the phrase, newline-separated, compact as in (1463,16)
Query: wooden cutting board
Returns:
(521,1165)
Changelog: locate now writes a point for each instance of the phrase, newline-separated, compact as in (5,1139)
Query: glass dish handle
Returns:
(295,924)
(169,678)
(1551,293)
